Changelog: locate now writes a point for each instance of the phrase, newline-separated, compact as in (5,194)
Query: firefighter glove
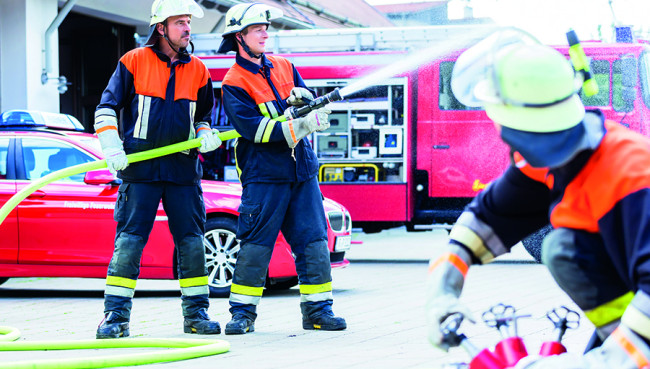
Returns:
(296,129)
(209,138)
(109,139)
(300,96)
(444,285)
(316,120)
(438,310)
(115,159)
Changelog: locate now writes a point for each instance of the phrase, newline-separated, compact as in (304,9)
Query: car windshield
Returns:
(92,142)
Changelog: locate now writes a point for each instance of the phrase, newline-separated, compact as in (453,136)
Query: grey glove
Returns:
(300,96)
(296,129)
(444,285)
(209,138)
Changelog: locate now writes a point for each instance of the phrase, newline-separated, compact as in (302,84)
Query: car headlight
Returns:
(339,221)
(336,220)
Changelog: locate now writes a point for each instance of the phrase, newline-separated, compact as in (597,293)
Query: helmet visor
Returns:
(474,81)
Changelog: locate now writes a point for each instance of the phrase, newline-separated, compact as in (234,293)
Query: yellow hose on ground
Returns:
(179,349)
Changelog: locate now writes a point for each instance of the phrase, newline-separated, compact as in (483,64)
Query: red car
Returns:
(66,228)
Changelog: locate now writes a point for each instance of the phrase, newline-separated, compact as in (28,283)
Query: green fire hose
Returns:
(178,349)
(99,164)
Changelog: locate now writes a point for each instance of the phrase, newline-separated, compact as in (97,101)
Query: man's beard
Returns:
(182,43)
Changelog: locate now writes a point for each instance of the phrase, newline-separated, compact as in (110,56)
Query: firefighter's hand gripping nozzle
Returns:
(581,63)
(317,103)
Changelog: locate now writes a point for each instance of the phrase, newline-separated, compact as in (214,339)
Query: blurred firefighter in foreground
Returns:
(588,177)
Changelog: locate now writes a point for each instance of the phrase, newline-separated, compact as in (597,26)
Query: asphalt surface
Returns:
(381,295)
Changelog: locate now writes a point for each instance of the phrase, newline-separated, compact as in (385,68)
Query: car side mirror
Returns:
(101,177)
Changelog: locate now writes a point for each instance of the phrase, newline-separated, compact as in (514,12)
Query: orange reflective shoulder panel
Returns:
(150,75)
(254,84)
(620,166)
(283,76)
(190,78)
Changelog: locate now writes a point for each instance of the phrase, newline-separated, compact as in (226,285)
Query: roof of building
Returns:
(332,14)
(409,7)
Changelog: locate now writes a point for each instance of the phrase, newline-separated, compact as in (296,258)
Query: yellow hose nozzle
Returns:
(581,63)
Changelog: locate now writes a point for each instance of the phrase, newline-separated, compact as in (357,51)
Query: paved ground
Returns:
(380,294)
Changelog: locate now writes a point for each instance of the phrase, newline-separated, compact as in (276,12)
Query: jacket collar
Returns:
(252,67)
(183,58)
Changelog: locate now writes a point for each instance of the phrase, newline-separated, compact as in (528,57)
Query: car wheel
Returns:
(3,280)
(221,250)
(276,284)
(533,243)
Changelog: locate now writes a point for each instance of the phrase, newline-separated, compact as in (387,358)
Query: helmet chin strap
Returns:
(247,49)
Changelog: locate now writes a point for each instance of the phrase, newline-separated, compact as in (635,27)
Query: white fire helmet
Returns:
(163,9)
(241,16)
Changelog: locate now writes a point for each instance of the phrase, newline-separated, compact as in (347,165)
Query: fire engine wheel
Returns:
(533,243)
(221,250)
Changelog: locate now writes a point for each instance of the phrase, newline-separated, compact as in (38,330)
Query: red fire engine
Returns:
(405,151)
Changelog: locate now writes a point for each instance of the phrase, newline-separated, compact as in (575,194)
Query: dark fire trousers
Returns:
(135,213)
(296,209)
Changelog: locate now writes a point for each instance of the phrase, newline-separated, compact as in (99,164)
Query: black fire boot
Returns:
(201,324)
(240,324)
(113,326)
(321,318)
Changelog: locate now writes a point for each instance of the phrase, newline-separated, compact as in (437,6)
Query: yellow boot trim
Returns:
(308,289)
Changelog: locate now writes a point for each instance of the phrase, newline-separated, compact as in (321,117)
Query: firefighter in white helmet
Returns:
(588,177)
(278,171)
(166,96)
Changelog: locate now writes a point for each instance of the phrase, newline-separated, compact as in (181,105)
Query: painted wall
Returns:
(22,26)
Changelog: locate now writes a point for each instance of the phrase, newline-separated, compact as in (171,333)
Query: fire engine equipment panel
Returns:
(366,139)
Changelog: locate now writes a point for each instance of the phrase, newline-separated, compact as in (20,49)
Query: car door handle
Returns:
(37,194)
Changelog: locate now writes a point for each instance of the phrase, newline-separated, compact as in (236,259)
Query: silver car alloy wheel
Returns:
(221,250)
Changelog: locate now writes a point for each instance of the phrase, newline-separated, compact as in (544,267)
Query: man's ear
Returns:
(160,28)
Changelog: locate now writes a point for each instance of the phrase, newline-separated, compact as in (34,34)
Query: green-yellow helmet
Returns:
(538,91)
(521,83)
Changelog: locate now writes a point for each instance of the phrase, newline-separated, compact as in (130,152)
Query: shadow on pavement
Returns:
(12,292)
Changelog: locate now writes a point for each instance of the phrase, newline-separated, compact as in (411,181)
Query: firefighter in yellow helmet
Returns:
(588,177)
(278,171)
(165,96)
